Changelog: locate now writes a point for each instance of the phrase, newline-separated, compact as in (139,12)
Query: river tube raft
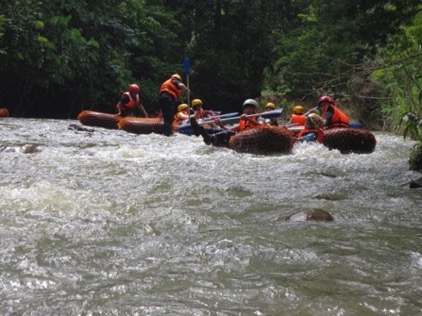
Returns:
(99,119)
(4,112)
(263,140)
(350,140)
(354,139)
(140,125)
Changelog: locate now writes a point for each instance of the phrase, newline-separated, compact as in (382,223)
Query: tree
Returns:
(336,39)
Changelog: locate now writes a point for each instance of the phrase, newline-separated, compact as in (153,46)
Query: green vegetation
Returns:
(59,57)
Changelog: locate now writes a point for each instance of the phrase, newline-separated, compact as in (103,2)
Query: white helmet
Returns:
(251,102)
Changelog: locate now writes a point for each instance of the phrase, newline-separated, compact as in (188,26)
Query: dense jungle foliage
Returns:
(60,57)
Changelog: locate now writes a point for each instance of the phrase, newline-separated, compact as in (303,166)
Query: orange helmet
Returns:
(325,98)
(134,88)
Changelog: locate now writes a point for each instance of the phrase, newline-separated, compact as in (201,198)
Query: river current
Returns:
(104,222)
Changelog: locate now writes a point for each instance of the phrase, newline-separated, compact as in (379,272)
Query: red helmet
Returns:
(325,98)
(134,88)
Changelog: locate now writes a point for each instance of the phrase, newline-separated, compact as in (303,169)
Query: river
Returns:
(104,222)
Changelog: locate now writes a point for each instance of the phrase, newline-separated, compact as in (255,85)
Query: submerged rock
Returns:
(80,128)
(414,184)
(30,149)
(311,215)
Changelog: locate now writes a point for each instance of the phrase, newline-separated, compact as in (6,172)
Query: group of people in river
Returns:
(324,115)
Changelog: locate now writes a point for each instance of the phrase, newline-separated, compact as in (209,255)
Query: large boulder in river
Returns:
(311,215)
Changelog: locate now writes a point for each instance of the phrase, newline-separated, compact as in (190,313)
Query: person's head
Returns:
(250,106)
(176,76)
(298,110)
(269,106)
(325,101)
(314,121)
(196,104)
(134,88)
(182,107)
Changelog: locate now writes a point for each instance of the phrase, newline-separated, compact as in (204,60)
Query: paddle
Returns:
(186,128)
(267,115)
(186,70)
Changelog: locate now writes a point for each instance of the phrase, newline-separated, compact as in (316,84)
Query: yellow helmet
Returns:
(176,76)
(182,107)
(270,105)
(196,102)
(298,109)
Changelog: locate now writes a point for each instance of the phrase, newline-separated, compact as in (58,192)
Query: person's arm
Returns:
(220,124)
(123,100)
(254,122)
(141,107)
(316,110)
(118,108)
(328,116)
(180,85)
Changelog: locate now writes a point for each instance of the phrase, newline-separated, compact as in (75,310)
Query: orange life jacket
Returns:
(246,124)
(169,87)
(202,113)
(319,132)
(178,118)
(298,119)
(132,102)
(339,119)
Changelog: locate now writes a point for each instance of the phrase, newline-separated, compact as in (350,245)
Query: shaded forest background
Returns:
(60,57)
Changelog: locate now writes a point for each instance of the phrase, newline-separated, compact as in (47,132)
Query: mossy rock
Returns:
(415,157)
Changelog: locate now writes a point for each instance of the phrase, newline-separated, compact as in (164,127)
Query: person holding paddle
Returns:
(182,114)
(169,93)
(270,107)
(200,113)
(330,113)
(221,137)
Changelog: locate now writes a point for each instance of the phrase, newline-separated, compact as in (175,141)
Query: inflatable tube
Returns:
(4,112)
(139,125)
(92,118)
(263,140)
(350,140)
(295,129)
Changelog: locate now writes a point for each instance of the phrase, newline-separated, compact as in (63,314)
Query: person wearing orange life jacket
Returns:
(313,130)
(297,117)
(330,113)
(169,93)
(269,107)
(129,104)
(221,137)
(200,113)
(182,113)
